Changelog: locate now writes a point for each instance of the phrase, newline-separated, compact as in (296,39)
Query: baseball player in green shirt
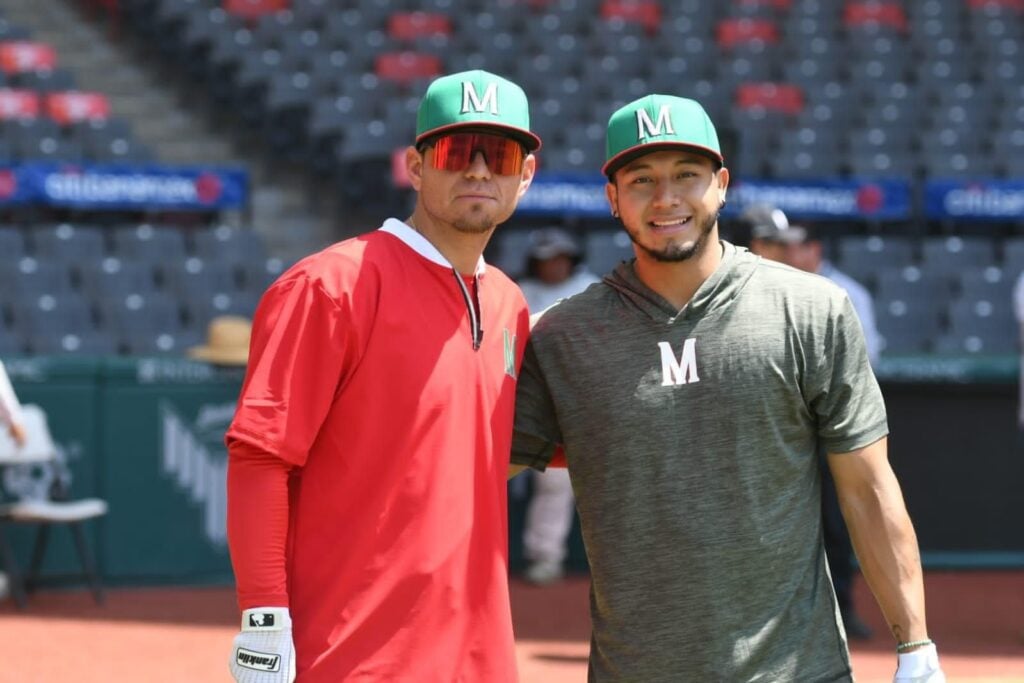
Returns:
(690,391)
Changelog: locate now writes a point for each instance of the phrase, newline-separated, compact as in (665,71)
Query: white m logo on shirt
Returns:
(471,101)
(681,371)
(645,128)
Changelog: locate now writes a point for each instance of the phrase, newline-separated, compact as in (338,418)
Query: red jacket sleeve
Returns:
(258,524)
(302,340)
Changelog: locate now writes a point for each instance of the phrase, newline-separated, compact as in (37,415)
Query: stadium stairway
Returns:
(159,116)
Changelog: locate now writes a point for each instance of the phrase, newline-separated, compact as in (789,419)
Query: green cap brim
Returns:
(628,155)
(530,141)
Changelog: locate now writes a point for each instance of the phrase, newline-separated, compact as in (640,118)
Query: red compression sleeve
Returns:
(258,525)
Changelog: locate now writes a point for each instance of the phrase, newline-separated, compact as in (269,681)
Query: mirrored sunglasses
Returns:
(455,152)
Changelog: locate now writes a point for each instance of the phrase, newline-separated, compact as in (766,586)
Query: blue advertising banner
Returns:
(825,199)
(13,188)
(135,187)
(997,200)
(566,194)
(583,195)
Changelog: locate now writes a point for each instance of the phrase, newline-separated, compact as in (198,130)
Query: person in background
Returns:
(10,416)
(10,408)
(1018,309)
(799,246)
(552,273)
(773,237)
(368,456)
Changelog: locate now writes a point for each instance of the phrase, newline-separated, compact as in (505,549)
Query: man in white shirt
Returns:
(552,273)
(10,415)
(1018,308)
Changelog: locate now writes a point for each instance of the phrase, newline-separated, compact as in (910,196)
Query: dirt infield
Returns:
(183,635)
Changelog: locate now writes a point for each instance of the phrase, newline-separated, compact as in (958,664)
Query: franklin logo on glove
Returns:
(264,651)
(260,661)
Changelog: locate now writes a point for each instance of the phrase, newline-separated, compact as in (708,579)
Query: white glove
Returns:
(264,652)
(920,666)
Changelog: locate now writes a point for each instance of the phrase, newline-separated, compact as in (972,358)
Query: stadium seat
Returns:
(30,277)
(257,275)
(12,244)
(1013,257)
(858,14)
(732,32)
(47,148)
(646,13)
(990,319)
(991,283)
(974,342)
(138,313)
(27,56)
(782,97)
(68,243)
(47,81)
(200,311)
(403,67)
(147,342)
(254,9)
(110,277)
(74,343)
(196,278)
(913,284)
(956,253)
(148,243)
(408,26)
(54,315)
(906,326)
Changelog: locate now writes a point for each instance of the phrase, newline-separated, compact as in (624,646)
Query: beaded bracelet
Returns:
(914,643)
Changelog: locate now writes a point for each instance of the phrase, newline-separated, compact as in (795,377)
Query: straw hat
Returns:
(227,341)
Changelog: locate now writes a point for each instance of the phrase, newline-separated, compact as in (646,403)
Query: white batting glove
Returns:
(264,652)
(920,666)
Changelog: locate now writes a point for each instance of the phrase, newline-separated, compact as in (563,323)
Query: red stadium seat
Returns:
(412,25)
(406,67)
(254,9)
(399,172)
(732,32)
(782,97)
(71,107)
(644,12)
(18,104)
(885,14)
(20,56)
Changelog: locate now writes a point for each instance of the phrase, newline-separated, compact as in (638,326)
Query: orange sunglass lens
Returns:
(504,156)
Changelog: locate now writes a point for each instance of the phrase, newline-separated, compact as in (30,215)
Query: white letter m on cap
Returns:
(682,371)
(645,128)
(472,102)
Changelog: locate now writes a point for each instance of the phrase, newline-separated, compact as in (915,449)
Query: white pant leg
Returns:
(549,516)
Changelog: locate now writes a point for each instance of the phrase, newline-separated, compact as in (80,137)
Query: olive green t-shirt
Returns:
(691,439)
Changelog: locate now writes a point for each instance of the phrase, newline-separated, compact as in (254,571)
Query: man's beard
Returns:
(674,253)
(475,223)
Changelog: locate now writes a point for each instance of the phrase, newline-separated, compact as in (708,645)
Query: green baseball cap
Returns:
(475,99)
(656,122)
